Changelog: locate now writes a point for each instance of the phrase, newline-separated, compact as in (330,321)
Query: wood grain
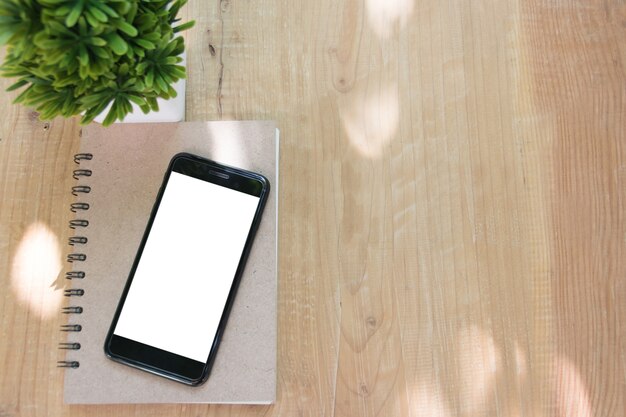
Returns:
(452,214)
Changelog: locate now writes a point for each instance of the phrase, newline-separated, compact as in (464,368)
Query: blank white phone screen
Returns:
(188,264)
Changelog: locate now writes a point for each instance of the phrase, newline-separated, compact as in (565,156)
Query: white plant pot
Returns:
(172,110)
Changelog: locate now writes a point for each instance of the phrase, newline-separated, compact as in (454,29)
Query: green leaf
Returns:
(102,53)
(73,16)
(83,56)
(149,78)
(170,48)
(123,7)
(48,43)
(106,9)
(111,115)
(160,82)
(94,99)
(94,111)
(126,28)
(59,29)
(132,12)
(178,71)
(152,37)
(174,9)
(137,100)
(153,103)
(5,36)
(184,26)
(96,41)
(141,67)
(144,44)
(170,60)
(17,85)
(91,19)
(123,69)
(128,108)
(140,52)
(117,44)
(98,14)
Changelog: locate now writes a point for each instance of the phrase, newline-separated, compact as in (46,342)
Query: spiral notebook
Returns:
(118,172)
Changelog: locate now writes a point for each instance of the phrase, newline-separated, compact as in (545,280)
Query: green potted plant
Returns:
(76,57)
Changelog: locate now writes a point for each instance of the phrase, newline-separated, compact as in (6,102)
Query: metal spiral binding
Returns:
(72,292)
(68,364)
(77,240)
(76,257)
(81,173)
(80,189)
(71,328)
(75,275)
(82,156)
(69,346)
(74,207)
(77,223)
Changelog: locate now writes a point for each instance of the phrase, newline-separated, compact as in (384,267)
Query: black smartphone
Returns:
(183,281)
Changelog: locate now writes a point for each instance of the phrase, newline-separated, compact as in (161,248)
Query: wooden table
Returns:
(453,206)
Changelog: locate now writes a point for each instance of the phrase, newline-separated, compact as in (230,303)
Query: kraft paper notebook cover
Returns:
(122,167)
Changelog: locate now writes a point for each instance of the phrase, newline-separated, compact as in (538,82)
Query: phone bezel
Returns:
(158,361)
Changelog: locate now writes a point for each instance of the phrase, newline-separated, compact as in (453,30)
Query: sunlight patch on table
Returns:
(521,363)
(572,396)
(428,401)
(35,268)
(384,15)
(231,150)
(479,360)
(371,119)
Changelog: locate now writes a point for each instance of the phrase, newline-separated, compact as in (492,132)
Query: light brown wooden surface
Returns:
(453,207)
